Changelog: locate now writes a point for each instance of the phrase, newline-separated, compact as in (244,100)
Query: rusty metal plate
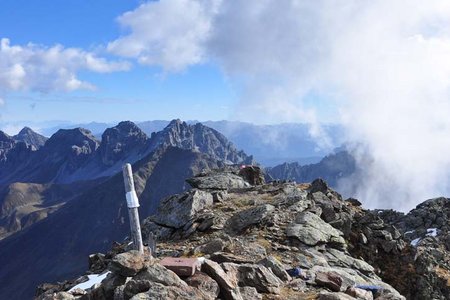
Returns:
(181,266)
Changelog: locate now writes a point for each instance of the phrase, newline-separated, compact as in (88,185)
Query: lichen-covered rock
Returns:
(175,211)
(127,264)
(311,230)
(219,181)
(251,216)
(160,274)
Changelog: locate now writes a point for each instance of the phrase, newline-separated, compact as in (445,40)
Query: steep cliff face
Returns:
(64,153)
(201,138)
(122,141)
(6,144)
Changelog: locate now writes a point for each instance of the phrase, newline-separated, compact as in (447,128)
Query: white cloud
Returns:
(45,69)
(166,33)
(384,64)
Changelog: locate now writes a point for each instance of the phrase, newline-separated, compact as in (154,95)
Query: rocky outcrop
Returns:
(219,181)
(122,141)
(6,144)
(410,250)
(267,241)
(200,137)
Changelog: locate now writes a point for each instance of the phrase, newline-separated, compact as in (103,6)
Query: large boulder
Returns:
(175,211)
(311,230)
(248,217)
(218,181)
(127,264)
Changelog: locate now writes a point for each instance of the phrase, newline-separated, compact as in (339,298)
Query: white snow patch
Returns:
(93,279)
(409,232)
(432,232)
(415,242)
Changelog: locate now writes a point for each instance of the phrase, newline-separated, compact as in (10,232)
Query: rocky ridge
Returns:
(332,168)
(75,154)
(277,241)
(31,138)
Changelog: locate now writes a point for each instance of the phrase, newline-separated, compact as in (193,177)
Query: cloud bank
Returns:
(385,66)
(45,69)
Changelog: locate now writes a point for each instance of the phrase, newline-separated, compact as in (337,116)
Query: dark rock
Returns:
(319,185)
(97,263)
(252,175)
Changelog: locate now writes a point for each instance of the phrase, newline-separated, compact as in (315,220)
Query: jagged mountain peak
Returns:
(4,137)
(119,141)
(199,137)
(30,137)
(72,137)
(26,130)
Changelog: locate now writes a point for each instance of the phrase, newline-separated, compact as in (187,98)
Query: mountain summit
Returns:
(30,137)
(200,138)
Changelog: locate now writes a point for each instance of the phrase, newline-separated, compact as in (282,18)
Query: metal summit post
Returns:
(133,204)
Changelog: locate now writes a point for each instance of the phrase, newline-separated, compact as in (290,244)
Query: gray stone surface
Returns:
(248,217)
(310,229)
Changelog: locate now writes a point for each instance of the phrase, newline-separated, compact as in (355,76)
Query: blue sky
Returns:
(380,68)
(141,93)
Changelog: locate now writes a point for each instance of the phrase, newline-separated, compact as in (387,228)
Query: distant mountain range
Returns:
(331,168)
(269,144)
(65,199)
(62,198)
